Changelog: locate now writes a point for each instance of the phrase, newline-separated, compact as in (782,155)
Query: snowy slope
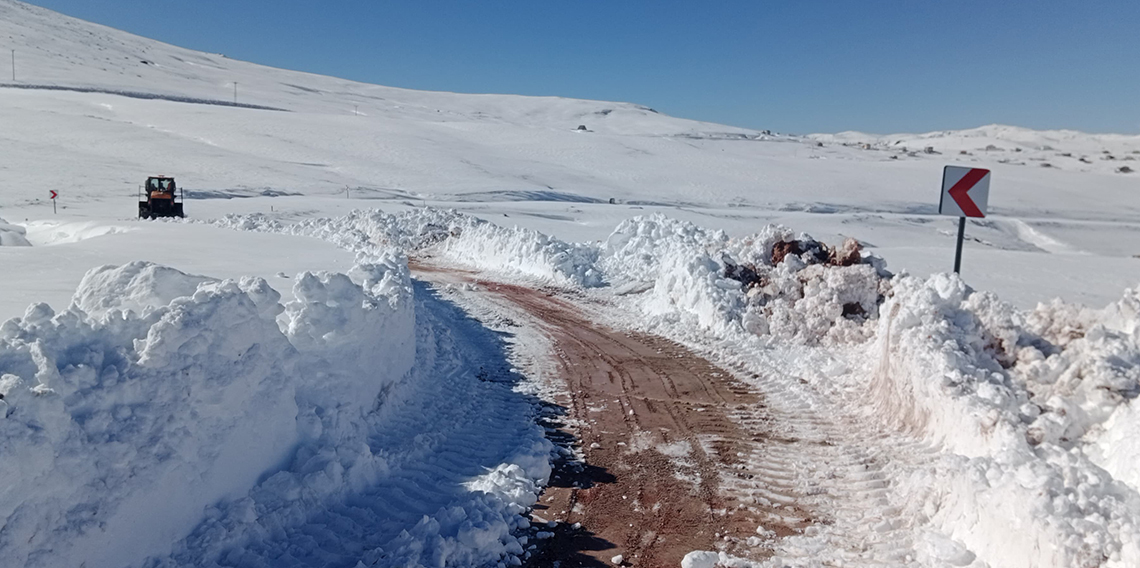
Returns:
(63,52)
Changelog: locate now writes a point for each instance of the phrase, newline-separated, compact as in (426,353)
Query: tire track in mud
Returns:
(654,424)
(680,454)
(654,416)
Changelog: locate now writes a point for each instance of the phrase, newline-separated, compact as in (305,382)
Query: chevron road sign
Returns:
(965,193)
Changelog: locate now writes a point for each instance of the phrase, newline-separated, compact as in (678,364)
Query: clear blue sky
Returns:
(792,66)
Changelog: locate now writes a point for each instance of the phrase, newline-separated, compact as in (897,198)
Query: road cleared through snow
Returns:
(679,454)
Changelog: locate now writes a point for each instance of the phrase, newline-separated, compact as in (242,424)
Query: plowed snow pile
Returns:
(158,393)
(12,235)
(1033,412)
(196,422)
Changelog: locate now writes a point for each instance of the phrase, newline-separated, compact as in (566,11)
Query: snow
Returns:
(1059,148)
(122,425)
(700,559)
(13,235)
(1116,449)
(50,271)
(138,287)
(121,428)
(265,385)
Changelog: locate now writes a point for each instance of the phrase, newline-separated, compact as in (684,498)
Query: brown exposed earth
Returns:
(661,433)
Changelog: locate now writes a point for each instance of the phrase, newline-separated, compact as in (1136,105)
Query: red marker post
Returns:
(53,196)
(965,193)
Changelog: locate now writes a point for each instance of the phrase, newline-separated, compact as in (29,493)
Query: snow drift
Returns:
(686,271)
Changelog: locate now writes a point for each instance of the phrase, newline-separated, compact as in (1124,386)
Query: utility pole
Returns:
(235,92)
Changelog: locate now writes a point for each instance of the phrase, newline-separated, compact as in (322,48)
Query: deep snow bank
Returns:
(158,393)
(13,235)
(1086,380)
(1030,406)
(686,271)
(440,471)
(971,373)
(463,239)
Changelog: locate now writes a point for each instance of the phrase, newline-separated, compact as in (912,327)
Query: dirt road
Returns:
(666,437)
(657,419)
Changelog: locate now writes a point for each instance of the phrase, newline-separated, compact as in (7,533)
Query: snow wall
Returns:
(157,394)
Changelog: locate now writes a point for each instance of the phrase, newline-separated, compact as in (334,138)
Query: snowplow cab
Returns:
(160,197)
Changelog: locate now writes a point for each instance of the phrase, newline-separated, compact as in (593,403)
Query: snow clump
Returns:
(13,235)
(772,283)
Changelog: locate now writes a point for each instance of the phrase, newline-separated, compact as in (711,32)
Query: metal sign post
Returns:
(965,193)
(53,196)
(958,250)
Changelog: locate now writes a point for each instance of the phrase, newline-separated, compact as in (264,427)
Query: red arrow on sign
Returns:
(961,192)
(53,193)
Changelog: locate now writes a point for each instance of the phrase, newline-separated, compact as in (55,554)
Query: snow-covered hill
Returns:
(60,51)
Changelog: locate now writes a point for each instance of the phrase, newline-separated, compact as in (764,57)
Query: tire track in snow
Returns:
(847,472)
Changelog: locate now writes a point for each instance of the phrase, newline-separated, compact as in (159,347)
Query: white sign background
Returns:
(979,194)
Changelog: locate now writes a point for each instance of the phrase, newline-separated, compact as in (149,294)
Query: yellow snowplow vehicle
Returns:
(160,197)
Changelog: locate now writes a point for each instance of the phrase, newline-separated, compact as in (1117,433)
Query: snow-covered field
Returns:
(280,323)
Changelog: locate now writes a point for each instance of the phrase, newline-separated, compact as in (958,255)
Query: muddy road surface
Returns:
(669,447)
